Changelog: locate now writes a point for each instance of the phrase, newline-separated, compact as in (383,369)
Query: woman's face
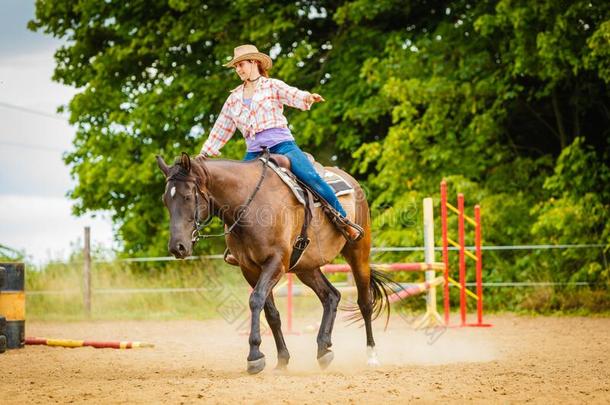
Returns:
(244,69)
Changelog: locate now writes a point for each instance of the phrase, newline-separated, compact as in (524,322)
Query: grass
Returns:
(55,293)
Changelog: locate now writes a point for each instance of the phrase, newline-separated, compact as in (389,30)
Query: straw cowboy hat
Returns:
(249,52)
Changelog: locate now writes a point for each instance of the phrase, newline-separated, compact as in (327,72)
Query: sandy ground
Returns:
(539,359)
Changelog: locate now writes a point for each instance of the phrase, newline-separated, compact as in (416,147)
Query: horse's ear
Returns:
(163,166)
(186,161)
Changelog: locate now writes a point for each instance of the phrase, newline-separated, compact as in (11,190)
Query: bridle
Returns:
(199,224)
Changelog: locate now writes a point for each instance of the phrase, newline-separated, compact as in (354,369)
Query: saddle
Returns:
(306,196)
(309,197)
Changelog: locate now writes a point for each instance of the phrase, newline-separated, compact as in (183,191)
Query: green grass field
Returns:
(205,289)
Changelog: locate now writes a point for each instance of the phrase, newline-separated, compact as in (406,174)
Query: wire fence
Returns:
(106,291)
(381,249)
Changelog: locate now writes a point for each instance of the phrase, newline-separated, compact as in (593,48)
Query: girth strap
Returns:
(302,240)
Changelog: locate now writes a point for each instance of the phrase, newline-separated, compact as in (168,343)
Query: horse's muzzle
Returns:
(179,250)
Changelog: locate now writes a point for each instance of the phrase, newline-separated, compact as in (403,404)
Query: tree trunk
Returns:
(563,138)
(576,113)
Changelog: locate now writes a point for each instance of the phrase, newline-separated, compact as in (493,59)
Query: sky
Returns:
(35,214)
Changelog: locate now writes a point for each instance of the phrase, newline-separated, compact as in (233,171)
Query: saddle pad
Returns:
(336,182)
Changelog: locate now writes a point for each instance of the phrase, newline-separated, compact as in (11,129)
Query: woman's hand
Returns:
(315,98)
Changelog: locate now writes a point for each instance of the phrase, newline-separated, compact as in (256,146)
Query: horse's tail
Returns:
(382,285)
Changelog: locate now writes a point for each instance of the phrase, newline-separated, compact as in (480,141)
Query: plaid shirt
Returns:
(265,112)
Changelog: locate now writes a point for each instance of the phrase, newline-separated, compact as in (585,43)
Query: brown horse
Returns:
(263,226)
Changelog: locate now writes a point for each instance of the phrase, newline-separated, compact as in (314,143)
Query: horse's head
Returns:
(186,200)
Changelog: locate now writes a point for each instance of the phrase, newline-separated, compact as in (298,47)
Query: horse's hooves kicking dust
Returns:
(256,366)
(325,360)
(372,359)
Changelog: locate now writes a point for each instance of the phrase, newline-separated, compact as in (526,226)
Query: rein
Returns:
(196,235)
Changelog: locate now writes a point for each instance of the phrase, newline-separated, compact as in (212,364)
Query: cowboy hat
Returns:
(249,52)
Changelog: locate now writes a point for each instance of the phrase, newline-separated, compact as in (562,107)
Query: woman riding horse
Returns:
(200,186)
(256,107)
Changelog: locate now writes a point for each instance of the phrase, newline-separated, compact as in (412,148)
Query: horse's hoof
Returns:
(373,362)
(325,360)
(280,369)
(256,366)
(371,354)
(282,364)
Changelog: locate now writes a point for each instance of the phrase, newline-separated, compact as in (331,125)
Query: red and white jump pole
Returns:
(86,343)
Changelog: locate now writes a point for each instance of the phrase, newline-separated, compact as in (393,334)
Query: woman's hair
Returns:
(262,71)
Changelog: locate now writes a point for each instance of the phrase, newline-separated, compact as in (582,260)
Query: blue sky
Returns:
(35,214)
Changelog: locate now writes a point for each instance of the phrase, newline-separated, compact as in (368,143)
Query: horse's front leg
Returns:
(271,272)
(273,319)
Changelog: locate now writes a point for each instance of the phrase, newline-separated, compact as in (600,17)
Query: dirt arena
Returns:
(539,359)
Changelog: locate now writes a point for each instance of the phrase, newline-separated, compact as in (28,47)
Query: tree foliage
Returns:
(507,100)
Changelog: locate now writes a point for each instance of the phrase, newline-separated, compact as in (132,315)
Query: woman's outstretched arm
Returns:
(223,130)
(293,97)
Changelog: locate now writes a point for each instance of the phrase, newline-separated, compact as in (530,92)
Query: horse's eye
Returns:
(187,198)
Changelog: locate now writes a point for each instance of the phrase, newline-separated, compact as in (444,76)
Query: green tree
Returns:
(502,98)
(491,85)
(151,81)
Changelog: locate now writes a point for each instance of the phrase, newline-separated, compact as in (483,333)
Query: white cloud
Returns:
(44,227)
(34,212)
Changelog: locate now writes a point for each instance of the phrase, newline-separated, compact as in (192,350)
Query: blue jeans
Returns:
(304,170)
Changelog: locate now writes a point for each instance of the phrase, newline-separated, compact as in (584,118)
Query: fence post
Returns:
(431,318)
(87,272)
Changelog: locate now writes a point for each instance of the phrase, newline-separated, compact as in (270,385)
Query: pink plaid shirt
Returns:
(266,111)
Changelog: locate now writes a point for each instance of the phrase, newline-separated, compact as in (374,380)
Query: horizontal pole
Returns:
(84,343)
(345,268)
(415,289)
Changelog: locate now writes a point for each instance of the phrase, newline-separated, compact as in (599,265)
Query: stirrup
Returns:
(342,224)
(357,228)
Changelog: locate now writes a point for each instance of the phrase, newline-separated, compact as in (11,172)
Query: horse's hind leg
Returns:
(329,296)
(358,258)
(273,319)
